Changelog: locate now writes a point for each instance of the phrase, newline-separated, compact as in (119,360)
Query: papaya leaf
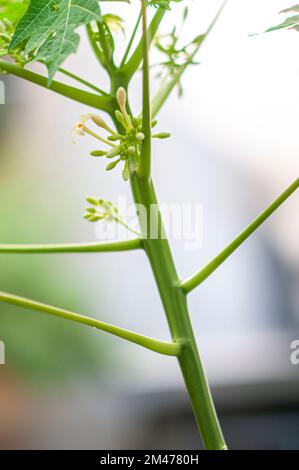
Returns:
(291,23)
(48,29)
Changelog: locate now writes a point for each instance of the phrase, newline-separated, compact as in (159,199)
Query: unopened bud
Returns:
(98,153)
(131,150)
(140,136)
(92,200)
(162,135)
(121,97)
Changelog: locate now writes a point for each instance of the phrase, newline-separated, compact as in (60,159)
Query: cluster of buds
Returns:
(122,147)
(100,209)
(6,31)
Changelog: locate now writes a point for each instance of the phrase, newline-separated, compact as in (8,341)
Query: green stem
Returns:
(123,245)
(107,51)
(135,60)
(144,169)
(169,349)
(97,52)
(131,40)
(100,102)
(199,277)
(82,81)
(175,305)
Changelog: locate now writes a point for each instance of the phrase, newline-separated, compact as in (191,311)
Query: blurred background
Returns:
(234,149)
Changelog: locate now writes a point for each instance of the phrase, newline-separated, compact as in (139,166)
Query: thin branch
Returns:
(169,349)
(199,277)
(144,169)
(100,102)
(123,245)
(135,60)
(83,82)
(94,45)
(163,94)
(130,43)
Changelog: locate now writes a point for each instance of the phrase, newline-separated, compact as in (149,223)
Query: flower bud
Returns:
(140,136)
(120,118)
(101,123)
(121,97)
(131,150)
(98,153)
(162,135)
(92,200)
(112,165)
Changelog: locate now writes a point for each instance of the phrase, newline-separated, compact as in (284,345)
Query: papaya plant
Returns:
(46,31)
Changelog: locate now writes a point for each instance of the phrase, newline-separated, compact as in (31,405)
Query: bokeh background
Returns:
(234,148)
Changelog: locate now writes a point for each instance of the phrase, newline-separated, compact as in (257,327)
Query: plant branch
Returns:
(98,53)
(169,349)
(135,60)
(199,277)
(144,168)
(90,99)
(164,93)
(130,43)
(82,81)
(123,245)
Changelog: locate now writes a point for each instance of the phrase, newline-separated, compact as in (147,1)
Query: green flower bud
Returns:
(113,152)
(140,136)
(131,150)
(95,218)
(154,123)
(112,165)
(115,137)
(98,153)
(125,173)
(92,200)
(136,122)
(162,135)
(120,118)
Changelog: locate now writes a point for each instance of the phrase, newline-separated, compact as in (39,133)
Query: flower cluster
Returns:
(6,33)
(100,209)
(123,147)
(176,56)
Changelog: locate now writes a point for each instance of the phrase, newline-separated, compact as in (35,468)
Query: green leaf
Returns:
(291,23)
(293,8)
(48,29)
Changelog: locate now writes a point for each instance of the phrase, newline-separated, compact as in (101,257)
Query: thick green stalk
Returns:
(122,245)
(144,169)
(90,99)
(199,277)
(169,349)
(175,305)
